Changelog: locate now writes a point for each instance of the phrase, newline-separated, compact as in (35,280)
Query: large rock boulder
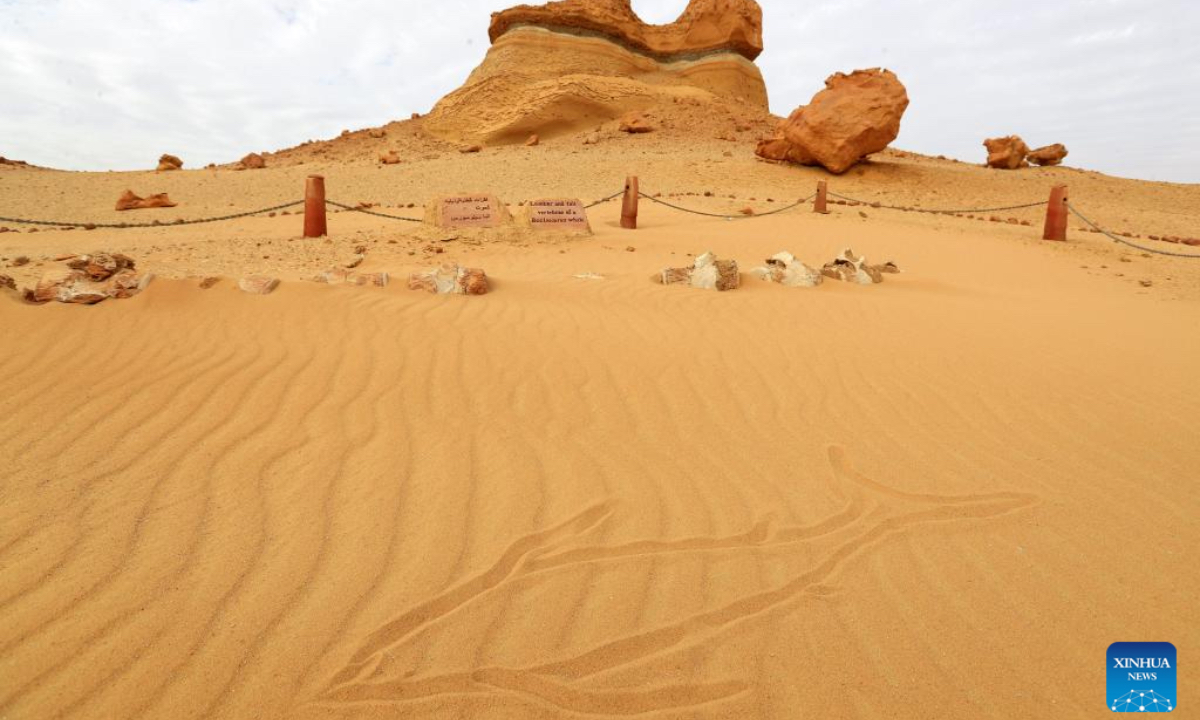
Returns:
(1048,156)
(1006,153)
(566,67)
(451,279)
(784,268)
(854,116)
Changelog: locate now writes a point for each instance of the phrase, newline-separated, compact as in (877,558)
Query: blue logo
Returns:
(1141,677)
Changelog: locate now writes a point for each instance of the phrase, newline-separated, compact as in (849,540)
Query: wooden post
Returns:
(314,207)
(629,208)
(1056,215)
(820,203)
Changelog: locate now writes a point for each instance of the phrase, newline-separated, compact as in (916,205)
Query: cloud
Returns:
(97,84)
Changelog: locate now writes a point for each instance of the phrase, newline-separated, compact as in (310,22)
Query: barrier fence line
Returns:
(122,226)
(877,204)
(794,205)
(1123,241)
(631,192)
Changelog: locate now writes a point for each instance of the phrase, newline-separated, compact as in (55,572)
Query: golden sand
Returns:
(942,496)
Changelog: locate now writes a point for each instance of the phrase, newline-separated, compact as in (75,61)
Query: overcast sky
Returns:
(101,84)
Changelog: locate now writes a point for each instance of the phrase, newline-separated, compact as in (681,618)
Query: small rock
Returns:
(390,158)
(258,284)
(1145,283)
(470,149)
(20,261)
(208,282)
(533,141)
(635,122)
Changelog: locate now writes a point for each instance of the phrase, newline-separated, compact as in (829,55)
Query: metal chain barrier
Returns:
(365,211)
(1123,241)
(614,196)
(951,212)
(796,204)
(153,224)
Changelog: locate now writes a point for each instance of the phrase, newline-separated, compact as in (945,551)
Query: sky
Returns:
(102,84)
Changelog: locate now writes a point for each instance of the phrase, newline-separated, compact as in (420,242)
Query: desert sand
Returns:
(941,496)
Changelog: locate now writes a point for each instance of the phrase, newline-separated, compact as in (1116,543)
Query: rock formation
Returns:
(1049,155)
(1006,153)
(253,161)
(89,279)
(129,201)
(854,116)
(450,279)
(167,163)
(785,269)
(565,67)
(707,273)
(1011,153)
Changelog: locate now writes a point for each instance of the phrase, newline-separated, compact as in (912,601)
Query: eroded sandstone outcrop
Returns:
(130,201)
(565,67)
(705,26)
(854,116)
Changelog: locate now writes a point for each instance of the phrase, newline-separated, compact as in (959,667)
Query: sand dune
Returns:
(942,496)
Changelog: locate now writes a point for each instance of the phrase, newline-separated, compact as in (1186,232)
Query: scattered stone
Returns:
(593,139)
(377,133)
(129,201)
(7,282)
(450,279)
(1049,155)
(707,273)
(258,284)
(588,276)
(854,116)
(390,158)
(470,149)
(533,141)
(253,161)
(1006,153)
(635,122)
(167,163)
(355,262)
(1145,283)
(20,261)
(785,269)
(209,282)
(101,266)
(630,248)
(747,211)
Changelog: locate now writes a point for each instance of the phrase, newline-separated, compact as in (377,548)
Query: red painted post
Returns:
(819,204)
(314,207)
(1056,215)
(629,208)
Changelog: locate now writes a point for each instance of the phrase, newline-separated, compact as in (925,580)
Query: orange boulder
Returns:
(854,116)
